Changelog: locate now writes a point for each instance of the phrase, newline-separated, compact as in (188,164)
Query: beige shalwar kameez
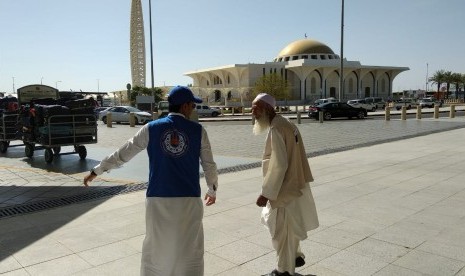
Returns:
(290,212)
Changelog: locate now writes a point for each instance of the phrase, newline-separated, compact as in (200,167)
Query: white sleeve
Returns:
(208,164)
(277,166)
(125,153)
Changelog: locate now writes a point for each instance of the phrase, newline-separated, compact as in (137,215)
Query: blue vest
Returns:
(174,152)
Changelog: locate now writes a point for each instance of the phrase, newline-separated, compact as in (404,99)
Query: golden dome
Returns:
(305,46)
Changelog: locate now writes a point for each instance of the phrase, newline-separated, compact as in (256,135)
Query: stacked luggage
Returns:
(51,122)
(8,119)
(55,123)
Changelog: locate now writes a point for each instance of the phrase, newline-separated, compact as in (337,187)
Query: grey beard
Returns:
(261,125)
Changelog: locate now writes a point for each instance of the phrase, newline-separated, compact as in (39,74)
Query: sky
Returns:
(84,44)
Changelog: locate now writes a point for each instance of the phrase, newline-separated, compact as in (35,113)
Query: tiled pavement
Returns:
(24,180)
(393,208)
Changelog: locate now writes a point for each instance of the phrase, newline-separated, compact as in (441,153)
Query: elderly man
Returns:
(174,241)
(288,207)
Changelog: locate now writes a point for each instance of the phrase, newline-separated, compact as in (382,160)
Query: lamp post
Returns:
(151,47)
(56,84)
(341,76)
(13,85)
(426,78)
(98,85)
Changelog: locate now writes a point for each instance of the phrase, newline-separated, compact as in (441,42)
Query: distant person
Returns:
(94,103)
(174,241)
(289,209)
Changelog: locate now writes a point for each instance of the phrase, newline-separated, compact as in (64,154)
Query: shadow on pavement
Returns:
(66,162)
(18,231)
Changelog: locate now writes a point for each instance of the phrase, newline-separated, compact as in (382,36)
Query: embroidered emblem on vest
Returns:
(174,142)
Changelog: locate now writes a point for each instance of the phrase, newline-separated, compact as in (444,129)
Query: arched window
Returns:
(383,86)
(313,86)
(351,86)
(217,95)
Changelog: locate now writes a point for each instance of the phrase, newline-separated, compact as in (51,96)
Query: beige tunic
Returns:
(286,174)
(290,212)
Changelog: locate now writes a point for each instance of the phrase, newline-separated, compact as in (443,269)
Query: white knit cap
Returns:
(264,97)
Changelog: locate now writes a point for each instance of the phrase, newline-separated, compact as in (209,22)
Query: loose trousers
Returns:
(288,226)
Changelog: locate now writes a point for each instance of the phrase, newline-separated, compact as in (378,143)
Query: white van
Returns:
(162,108)
(322,101)
(205,110)
(378,102)
(363,104)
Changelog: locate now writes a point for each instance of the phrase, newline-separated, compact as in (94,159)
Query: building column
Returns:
(323,88)
(302,89)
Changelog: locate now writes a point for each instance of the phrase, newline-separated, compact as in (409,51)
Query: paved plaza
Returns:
(390,197)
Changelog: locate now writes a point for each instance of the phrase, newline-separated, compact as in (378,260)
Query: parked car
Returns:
(378,102)
(120,114)
(97,110)
(337,110)
(407,102)
(429,102)
(205,110)
(363,104)
(322,101)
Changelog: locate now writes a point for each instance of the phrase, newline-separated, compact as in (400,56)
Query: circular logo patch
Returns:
(174,142)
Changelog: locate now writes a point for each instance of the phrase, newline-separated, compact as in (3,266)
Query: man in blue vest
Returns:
(174,243)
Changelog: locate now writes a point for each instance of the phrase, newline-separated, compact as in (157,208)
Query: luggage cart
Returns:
(8,130)
(63,130)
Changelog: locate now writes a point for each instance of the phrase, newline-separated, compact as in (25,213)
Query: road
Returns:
(235,138)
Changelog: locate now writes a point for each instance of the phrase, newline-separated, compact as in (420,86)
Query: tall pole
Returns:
(341,76)
(426,77)
(98,85)
(13,85)
(151,47)
(56,84)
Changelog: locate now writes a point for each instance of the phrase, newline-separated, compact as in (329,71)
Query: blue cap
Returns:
(181,94)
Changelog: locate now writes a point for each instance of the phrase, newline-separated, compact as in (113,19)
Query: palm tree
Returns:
(438,78)
(456,80)
(448,80)
(462,80)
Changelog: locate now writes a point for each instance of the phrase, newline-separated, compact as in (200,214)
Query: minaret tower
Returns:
(137,40)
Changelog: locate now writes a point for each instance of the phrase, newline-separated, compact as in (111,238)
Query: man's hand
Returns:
(261,201)
(209,200)
(88,178)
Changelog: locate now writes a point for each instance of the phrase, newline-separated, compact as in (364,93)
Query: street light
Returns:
(151,47)
(56,84)
(341,76)
(13,85)
(427,77)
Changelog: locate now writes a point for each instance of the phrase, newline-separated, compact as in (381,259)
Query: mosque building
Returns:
(311,68)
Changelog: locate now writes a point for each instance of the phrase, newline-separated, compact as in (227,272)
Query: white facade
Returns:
(311,68)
